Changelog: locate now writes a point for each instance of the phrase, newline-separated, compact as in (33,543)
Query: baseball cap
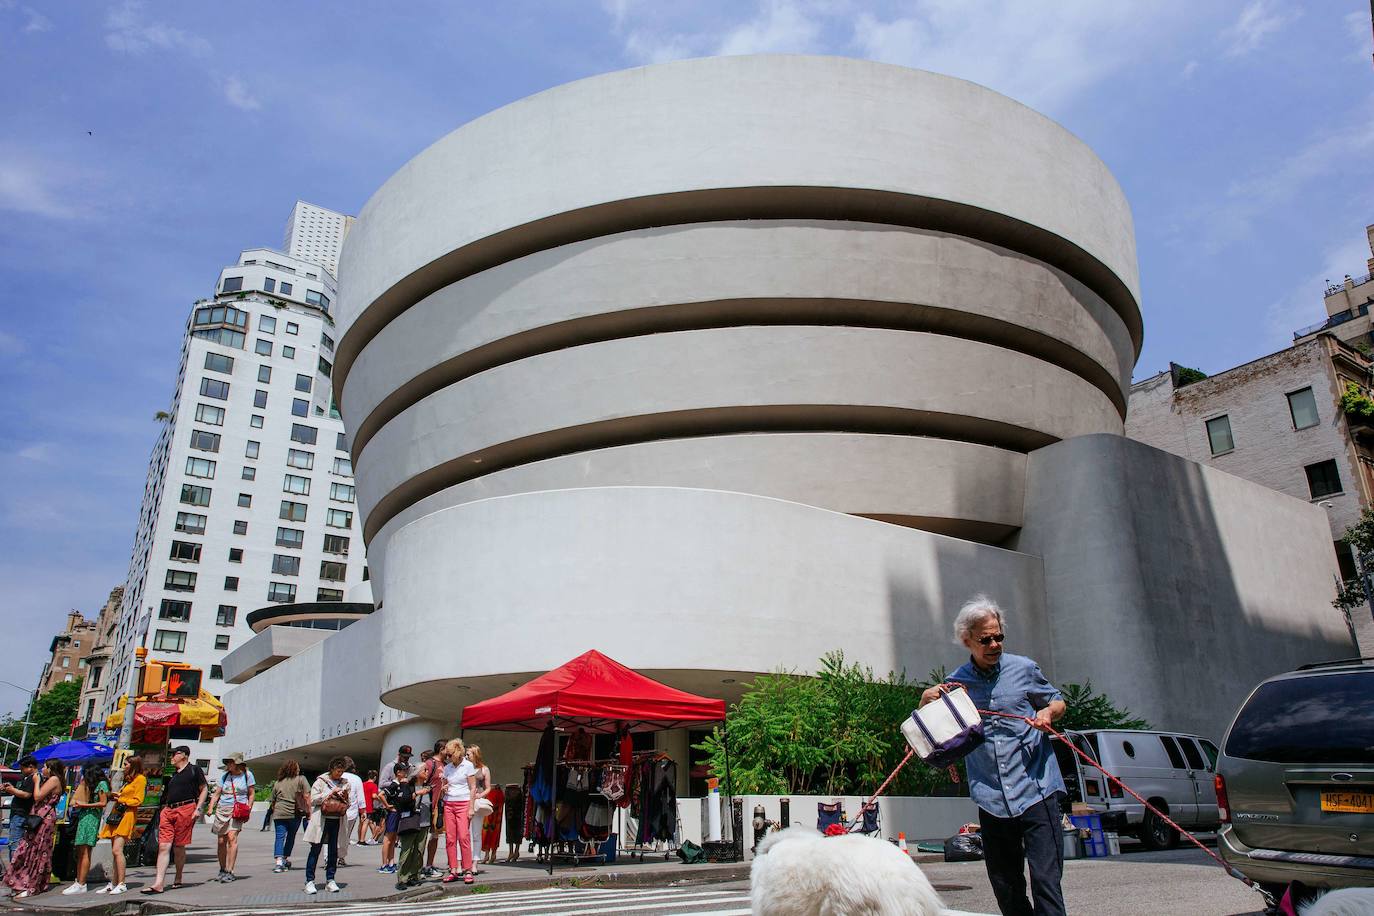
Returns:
(404,751)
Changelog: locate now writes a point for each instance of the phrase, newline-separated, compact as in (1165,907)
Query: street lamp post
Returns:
(126,728)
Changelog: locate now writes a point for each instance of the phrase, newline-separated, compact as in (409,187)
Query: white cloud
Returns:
(27,188)
(34,21)
(1260,20)
(1301,306)
(128,31)
(1359,26)
(41,452)
(236,91)
(780,26)
(11,346)
(1189,69)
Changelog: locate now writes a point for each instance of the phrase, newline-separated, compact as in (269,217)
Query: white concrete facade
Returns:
(316,234)
(251,423)
(720,365)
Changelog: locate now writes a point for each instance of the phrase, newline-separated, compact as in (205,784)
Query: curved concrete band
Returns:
(732,138)
(729,274)
(691,586)
(718,381)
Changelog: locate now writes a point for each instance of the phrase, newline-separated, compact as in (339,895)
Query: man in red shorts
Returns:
(183,797)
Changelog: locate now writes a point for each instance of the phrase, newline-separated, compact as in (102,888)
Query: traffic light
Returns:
(170,680)
(151,682)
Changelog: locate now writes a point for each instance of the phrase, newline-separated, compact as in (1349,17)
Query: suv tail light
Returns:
(1115,791)
(1092,787)
(1223,803)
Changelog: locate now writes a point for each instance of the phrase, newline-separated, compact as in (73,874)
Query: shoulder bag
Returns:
(116,814)
(334,806)
(945,730)
(302,798)
(242,810)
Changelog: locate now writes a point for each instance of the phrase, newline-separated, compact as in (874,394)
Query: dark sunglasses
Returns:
(998,638)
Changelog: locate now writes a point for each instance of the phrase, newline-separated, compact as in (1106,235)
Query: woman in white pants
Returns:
(481,807)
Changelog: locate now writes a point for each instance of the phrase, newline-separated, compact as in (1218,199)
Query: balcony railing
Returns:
(1335,288)
(1339,318)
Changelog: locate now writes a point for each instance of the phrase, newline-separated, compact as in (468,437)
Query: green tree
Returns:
(1351,593)
(52,717)
(839,732)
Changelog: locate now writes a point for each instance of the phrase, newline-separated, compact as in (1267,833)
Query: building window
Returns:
(203,441)
(303,383)
(281,592)
(265,375)
(1302,406)
(300,408)
(290,537)
(200,467)
(306,435)
(1219,435)
(259,399)
(338,518)
(288,352)
(249,473)
(343,467)
(209,415)
(193,495)
(329,594)
(325,368)
(169,641)
(341,491)
(231,285)
(283,565)
(214,388)
(226,615)
(221,642)
(262,347)
(190,523)
(186,551)
(291,326)
(235,554)
(255,421)
(297,458)
(240,527)
(217,671)
(231,583)
(331,571)
(319,299)
(178,580)
(245,500)
(292,512)
(269,285)
(341,443)
(336,543)
(1323,479)
(286,291)
(266,323)
(327,341)
(179,611)
(218,362)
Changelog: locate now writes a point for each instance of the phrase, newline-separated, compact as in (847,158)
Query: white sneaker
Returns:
(106,889)
(332,887)
(119,889)
(310,887)
(74,889)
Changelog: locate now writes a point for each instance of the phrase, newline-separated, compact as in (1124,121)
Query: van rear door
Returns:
(1182,797)
(1200,771)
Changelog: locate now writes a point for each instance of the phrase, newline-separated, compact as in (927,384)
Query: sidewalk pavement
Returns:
(256,885)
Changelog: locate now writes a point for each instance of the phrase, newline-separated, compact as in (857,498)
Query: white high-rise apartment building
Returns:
(249,498)
(316,234)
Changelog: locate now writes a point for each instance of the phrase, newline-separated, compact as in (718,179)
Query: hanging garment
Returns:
(579,779)
(541,789)
(579,746)
(612,782)
(515,814)
(491,825)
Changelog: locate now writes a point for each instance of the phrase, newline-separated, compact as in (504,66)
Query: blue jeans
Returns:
(286,836)
(16,834)
(331,861)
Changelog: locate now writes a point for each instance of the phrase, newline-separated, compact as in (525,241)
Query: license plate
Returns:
(1348,802)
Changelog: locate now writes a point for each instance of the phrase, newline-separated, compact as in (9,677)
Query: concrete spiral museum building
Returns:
(718,365)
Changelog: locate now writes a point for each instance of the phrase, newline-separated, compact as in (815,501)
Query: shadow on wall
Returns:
(1175,588)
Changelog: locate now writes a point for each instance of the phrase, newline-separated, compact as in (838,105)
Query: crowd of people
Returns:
(406,809)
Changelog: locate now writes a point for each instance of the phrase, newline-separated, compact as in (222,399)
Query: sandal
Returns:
(151,890)
(450,877)
(469,878)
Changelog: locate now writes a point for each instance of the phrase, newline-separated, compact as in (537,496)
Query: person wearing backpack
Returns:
(289,802)
(231,806)
(183,795)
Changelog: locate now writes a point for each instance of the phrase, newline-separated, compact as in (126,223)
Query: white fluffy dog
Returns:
(1352,901)
(798,872)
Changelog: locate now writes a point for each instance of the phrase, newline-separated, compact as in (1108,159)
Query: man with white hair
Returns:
(1013,776)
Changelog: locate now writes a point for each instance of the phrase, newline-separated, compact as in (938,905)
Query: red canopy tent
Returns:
(597,693)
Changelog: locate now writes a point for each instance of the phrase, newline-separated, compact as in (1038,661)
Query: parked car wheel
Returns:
(1156,834)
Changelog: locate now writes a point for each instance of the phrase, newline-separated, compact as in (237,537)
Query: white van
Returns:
(1173,771)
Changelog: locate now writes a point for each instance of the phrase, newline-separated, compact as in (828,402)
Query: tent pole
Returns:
(553,781)
(735,841)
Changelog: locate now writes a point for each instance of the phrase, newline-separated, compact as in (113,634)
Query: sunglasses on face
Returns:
(998,638)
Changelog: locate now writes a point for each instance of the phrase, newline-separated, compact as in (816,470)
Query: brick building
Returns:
(69,649)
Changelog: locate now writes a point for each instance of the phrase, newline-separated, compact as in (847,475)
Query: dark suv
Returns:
(1295,779)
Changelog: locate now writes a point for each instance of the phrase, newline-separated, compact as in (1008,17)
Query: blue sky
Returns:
(142,145)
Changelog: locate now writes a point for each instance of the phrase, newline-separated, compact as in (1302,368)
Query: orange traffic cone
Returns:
(901,843)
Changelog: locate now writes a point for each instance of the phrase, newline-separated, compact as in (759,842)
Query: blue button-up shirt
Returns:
(1015,767)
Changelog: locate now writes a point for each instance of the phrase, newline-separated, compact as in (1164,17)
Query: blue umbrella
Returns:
(75,752)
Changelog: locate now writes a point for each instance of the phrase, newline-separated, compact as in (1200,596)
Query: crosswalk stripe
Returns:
(575,910)
(529,901)
(495,897)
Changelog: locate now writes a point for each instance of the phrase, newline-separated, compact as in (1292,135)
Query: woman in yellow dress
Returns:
(130,796)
